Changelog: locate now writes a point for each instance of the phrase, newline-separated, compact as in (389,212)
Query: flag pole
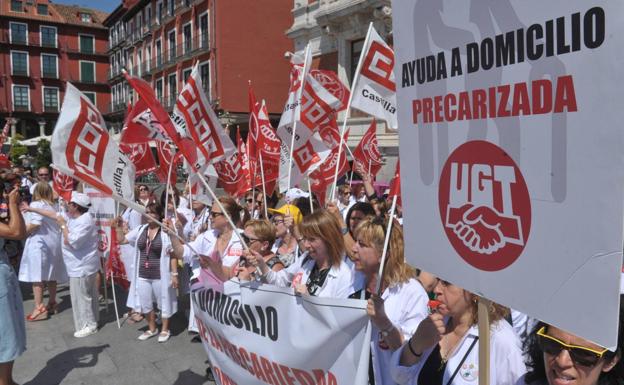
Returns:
(264,197)
(310,195)
(297,112)
(167,189)
(385,248)
(112,276)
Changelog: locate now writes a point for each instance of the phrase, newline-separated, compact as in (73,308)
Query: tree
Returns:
(17,149)
(44,154)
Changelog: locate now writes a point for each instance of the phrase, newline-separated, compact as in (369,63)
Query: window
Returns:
(85,17)
(90,96)
(203,30)
(139,61)
(17,6)
(86,43)
(171,5)
(188,38)
(19,33)
(149,15)
(21,100)
(148,58)
(50,99)
(49,66)
(19,63)
(159,12)
(87,71)
(173,89)
(159,89)
(42,9)
(356,51)
(48,36)
(186,73)
(172,45)
(158,53)
(204,74)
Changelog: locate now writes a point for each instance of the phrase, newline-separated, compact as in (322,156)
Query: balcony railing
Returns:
(21,107)
(48,108)
(116,107)
(49,74)
(21,40)
(182,51)
(19,72)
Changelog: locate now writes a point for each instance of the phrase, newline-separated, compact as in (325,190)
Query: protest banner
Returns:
(252,334)
(519,199)
(103,212)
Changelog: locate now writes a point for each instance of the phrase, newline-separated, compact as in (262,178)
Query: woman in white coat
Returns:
(403,302)
(156,272)
(42,260)
(444,350)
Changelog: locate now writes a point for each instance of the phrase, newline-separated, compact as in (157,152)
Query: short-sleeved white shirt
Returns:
(81,255)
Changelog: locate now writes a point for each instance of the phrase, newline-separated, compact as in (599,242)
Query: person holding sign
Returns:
(156,272)
(445,351)
(321,271)
(403,303)
(560,358)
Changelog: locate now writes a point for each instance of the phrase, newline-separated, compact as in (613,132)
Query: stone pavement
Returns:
(111,356)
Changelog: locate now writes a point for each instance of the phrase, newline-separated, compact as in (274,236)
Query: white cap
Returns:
(80,199)
(295,193)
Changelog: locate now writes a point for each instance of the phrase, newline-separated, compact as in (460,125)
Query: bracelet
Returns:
(409,345)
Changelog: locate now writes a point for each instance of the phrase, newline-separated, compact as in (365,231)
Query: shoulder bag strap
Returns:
(474,342)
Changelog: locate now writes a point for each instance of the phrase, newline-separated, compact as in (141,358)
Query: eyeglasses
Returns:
(248,240)
(346,193)
(249,200)
(581,355)
(214,214)
(277,221)
(142,188)
(43,174)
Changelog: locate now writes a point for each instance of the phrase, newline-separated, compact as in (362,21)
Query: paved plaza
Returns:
(112,356)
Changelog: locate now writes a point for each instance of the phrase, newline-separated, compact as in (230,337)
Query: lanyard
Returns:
(148,246)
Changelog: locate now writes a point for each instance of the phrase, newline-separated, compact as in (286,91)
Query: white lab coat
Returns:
(168,297)
(405,305)
(42,259)
(506,361)
(134,220)
(81,255)
(340,281)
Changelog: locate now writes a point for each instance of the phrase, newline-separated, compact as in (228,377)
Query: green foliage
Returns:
(17,149)
(44,154)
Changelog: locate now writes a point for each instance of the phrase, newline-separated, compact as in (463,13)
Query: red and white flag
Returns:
(234,172)
(194,117)
(141,156)
(167,155)
(330,81)
(395,183)
(374,90)
(4,136)
(198,189)
(324,175)
(62,184)
(82,148)
(367,152)
(115,268)
(262,145)
(141,125)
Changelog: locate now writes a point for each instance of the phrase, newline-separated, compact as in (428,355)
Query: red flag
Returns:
(234,171)
(395,183)
(330,81)
(62,184)
(252,136)
(267,146)
(5,133)
(175,132)
(324,175)
(141,125)
(367,152)
(141,156)
(166,155)
(115,267)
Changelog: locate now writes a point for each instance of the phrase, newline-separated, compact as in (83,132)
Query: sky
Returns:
(102,5)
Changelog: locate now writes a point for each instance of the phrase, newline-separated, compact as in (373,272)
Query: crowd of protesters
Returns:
(335,251)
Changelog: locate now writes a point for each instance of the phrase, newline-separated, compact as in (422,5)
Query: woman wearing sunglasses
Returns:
(444,350)
(321,271)
(560,358)
(403,303)
(259,235)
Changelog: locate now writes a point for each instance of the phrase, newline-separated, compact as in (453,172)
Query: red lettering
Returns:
(268,371)
(463,111)
(541,92)
(437,102)
(287,375)
(521,104)
(245,358)
(427,110)
(565,96)
(257,368)
(416,110)
(479,108)
(502,104)
(449,113)
(492,102)
(303,377)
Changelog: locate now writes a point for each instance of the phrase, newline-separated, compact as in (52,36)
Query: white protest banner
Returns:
(103,212)
(374,91)
(267,335)
(82,148)
(519,199)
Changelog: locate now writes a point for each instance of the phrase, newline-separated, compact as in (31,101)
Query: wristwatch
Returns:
(63,227)
(386,332)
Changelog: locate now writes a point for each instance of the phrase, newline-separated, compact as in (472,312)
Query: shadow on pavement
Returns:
(59,366)
(188,377)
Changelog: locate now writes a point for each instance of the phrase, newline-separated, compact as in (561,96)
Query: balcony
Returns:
(113,108)
(50,108)
(183,51)
(16,71)
(49,74)
(21,107)
(18,40)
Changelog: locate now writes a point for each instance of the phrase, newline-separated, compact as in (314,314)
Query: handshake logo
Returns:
(484,205)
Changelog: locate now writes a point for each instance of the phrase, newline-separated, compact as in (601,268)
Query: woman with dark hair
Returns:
(403,302)
(356,214)
(156,272)
(444,349)
(173,209)
(560,358)
(321,271)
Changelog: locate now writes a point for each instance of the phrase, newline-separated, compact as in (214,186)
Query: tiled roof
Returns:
(30,12)
(71,14)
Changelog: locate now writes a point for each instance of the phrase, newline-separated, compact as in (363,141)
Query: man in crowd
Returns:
(43,175)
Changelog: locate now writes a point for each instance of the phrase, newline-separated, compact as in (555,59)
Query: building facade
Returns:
(42,47)
(336,30)
(234,42)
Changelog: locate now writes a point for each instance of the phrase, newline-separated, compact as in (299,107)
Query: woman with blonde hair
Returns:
(321,271)
(445,349)
(259,234)
(403,302)
(42,261)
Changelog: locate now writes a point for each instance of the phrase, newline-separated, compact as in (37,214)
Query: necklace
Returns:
(444,357)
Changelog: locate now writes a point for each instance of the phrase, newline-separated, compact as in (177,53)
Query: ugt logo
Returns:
(379,64)
(484,205)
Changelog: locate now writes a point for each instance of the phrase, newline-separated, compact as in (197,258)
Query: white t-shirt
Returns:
(81,255)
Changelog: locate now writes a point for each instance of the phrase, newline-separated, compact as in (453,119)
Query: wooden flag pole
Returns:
(113,275)
(484,340)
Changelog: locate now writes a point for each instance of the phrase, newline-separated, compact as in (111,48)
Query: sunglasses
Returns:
(346,193)
(277,221)
(247,239)
(43,174)
(214,214)
(581,355)
(142,189)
